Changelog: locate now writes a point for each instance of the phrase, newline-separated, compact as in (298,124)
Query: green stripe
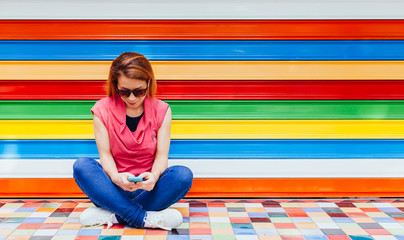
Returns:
(45,109)
(220,109)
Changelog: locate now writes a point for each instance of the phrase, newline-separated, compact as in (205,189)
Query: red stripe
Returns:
(213,90)
(51,90)
(200,29)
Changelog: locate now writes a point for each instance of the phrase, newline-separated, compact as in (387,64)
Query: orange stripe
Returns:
(217,188)
(200,29)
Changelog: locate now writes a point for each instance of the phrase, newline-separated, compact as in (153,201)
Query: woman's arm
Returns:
(161,158)
(106,158)
(163,146)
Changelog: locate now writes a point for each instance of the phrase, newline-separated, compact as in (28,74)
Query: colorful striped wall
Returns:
(269,98)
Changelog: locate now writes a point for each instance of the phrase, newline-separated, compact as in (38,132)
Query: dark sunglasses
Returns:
(136,92)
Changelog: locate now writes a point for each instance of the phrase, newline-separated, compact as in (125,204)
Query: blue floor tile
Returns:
(384,220)
(391,209)
(342,220)
(199,219)
(242,231)
(23,209)
(90,232)
(198,209)
(257,214)
(309,209)
(9,225)
(319,237)
(178,237)
(34,220)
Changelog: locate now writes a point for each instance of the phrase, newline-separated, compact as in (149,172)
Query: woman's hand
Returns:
(150,182)
(121,179)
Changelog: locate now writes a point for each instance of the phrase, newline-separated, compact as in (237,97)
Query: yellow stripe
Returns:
(210,70)
(218,129)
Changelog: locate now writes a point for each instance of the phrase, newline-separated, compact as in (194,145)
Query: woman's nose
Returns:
(131,96)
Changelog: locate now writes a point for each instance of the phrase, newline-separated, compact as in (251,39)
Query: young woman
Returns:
(132,131)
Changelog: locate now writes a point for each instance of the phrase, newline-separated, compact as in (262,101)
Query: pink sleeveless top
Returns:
(133,152)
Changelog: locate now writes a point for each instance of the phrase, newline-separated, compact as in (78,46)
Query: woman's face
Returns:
(125,83)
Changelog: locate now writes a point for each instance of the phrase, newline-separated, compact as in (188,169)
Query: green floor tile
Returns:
(396,231)
(348,225)
(376,214)
(63,237)
(234,205)
(13,205)
(363,205)
(223,237)
(288,231)
(220,225)
(19,214)
(238,214)
(286,205)
(184,225)
(23,232)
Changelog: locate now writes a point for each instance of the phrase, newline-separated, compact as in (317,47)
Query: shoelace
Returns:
(156,220)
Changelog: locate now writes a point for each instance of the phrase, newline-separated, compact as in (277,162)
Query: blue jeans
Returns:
(130,207)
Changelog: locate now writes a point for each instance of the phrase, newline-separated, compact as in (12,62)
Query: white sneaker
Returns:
(166,219)
(96,216)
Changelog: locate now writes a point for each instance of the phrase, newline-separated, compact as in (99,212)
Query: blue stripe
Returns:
(217,149)
(205,50)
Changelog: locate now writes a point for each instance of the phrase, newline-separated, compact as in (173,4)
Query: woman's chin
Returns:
(132,105)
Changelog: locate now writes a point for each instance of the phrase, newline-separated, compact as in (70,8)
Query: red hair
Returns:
(131,65)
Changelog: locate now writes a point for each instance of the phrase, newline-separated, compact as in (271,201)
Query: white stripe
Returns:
(229,168)
(201,9)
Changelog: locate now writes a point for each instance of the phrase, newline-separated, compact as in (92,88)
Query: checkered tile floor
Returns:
(285,219)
